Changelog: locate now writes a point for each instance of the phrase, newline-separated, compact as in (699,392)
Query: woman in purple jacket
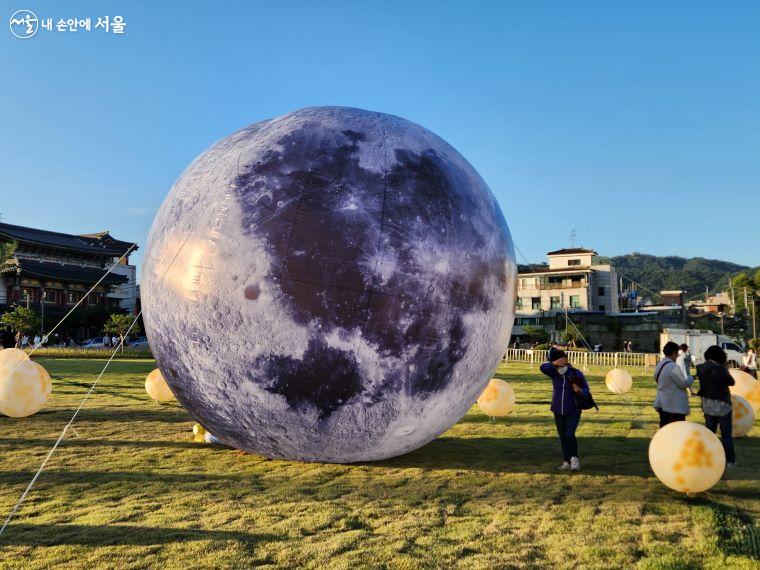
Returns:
(566,383)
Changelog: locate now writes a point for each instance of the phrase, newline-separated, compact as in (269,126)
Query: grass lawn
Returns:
(130,489)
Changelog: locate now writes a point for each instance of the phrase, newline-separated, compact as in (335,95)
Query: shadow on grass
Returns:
(601,455)
(588,418)
(16,442)
(117,535)
(143,478)
(152,412)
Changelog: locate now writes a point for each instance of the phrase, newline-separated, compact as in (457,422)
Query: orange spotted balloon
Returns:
(497,399)
(743,417)
(25,386)
(687,457)
(746,387)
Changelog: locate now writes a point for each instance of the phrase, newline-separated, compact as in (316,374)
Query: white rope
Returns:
(63,433)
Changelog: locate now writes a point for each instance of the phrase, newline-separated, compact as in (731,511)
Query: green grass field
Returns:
(130,489)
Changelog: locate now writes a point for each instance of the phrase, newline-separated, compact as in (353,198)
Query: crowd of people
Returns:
(22,340)
(673,376)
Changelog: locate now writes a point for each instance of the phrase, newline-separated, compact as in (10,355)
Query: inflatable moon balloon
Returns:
(157,388)
(743,416)
(497,399)
(25,386)
(618,381)
(746,387)
(331,285)
(687,457)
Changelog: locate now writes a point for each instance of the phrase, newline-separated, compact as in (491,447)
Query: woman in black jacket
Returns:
(714,380)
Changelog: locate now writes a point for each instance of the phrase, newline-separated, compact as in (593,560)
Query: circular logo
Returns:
(24,24)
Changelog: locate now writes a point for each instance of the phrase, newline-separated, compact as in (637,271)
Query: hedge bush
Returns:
(74,352)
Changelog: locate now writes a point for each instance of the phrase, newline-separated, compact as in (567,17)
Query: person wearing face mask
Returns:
(566,383)
(672,400)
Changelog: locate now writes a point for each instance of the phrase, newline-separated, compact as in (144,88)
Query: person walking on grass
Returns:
(566,383)
(714,380)
(672,401)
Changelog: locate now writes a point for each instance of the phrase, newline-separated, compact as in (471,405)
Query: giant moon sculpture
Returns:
(331,285)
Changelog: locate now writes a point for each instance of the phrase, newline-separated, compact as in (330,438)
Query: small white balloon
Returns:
(743,417)
(687,457)
(618,381)
(498,399)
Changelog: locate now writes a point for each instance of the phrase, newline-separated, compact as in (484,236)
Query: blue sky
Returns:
(637,125)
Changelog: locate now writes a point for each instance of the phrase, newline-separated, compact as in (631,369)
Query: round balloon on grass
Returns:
(687,457)
(743,417)
(25,386)
(746,387)
(498,399)
(157,388)
(618,381)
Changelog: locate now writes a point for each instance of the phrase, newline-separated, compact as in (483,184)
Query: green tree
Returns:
(535,334)
(22,320)
(754,344)
(7,249)
(118,324)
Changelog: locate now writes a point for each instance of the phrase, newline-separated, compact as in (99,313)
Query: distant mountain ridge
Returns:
(692,274)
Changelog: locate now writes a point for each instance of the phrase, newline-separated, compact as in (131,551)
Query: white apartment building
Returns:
(576,280)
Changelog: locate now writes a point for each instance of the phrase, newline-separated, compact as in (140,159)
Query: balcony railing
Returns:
(553,286)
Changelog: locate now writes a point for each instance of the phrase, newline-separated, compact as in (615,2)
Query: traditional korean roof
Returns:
(62,272)
(101,243)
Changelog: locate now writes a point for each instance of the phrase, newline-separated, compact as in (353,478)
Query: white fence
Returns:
(583,359)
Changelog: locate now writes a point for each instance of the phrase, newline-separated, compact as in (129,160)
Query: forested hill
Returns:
(671,272)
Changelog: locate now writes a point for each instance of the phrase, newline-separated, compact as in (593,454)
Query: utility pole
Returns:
(746,303)
(754,324)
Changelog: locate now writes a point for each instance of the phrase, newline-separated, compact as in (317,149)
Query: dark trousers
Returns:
(725,421)
(566,426)
(669,417)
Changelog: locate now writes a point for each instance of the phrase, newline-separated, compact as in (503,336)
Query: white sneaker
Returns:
(575,464)
(564,467)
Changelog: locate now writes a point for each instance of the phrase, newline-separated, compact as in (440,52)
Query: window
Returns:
(602,308)
(51,296)
(600,291)
(519,303)
(73,297)
(731,346)
(573,261)
(575,301)
(556,303)
(535,303)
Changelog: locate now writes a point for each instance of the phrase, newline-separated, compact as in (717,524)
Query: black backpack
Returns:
(585,401)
